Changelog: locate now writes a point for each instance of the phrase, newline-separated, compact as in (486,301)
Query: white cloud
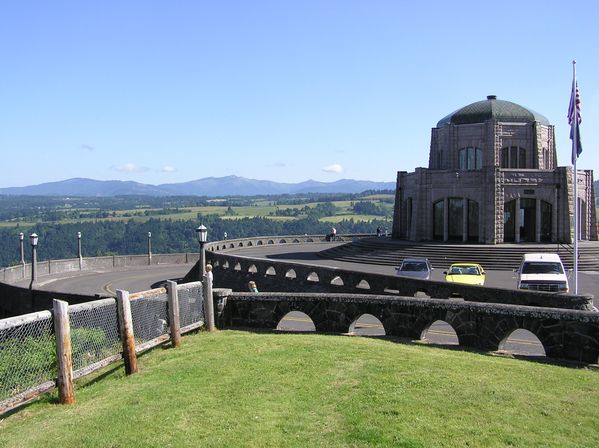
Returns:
(168,169)
(334,168)
(89,148)
(280,164)
(129,168)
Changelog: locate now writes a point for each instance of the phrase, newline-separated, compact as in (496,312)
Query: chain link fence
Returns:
(191,304)
(27,353)
(28,364)
(94,332)
(149,312)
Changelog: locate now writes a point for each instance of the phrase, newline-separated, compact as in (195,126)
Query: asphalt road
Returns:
(144,278)
(107,282)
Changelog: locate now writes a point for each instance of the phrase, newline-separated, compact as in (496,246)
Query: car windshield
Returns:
(542,267)
(464,270)
(416,266)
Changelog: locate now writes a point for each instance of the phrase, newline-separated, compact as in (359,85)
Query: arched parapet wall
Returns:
(565,334)
(377,283)
(222,255)
(216,246)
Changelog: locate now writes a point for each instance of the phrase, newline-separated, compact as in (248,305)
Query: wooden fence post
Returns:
(64,354)
(208,304)
(126,328)
(173,313)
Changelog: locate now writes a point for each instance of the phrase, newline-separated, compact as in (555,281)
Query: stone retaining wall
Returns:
(565,334)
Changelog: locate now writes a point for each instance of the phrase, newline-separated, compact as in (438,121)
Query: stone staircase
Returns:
(389,252)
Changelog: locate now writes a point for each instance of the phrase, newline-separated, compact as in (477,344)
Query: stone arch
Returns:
(231,246)
(337,281)
(313,277)
(522,342)
(240,244)
(440,332)
(296,321)
(309,240)
(282,241)
(362,284)
(367,325)
(271,271)
(295,240)
(290,274)
(253,269)
(270,242)
(250,243)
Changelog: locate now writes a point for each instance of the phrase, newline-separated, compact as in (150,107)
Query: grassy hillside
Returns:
(234,388)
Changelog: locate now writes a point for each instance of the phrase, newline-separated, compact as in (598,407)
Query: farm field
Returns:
(326,211)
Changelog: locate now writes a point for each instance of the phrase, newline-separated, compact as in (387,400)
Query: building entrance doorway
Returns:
(528,220)
(523,222)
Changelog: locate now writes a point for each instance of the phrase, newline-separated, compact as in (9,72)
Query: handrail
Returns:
(566,246)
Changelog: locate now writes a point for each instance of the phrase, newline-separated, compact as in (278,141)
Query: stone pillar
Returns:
(464,220)
(538,220)
(517,221)
(554,216)
(445,219)
(409,235)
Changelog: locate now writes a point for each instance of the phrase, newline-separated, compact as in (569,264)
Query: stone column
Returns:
(445,219)
(554,216)
(538,220)
(464,220)
(517,221)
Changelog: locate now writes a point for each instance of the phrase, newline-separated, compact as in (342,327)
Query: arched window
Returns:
(470,158)
(513,157)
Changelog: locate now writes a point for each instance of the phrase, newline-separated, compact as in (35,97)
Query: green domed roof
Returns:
(492,108)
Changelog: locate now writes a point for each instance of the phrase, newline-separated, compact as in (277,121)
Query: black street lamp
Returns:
(33,238)
(22,246)
(202,234)
(79,254)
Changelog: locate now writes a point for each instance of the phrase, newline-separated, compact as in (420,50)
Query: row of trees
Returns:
(58,241)
(56,208)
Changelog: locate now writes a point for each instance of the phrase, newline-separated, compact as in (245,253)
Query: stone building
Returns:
(492,178)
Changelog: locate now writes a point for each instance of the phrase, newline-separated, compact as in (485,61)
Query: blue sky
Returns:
(161,92)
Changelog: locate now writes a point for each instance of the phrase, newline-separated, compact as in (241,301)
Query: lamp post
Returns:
(22,245)
(202,233)
(149,247)
(79,250)
(33,239)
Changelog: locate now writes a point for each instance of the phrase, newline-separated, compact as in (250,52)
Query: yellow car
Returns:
(468,273)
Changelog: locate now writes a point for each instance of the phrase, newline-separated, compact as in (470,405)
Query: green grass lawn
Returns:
(232,388)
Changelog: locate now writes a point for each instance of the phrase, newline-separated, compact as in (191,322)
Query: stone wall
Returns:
(16,300)
(565,334)
(235,271)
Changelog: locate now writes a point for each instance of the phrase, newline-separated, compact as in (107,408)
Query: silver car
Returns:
(415,268)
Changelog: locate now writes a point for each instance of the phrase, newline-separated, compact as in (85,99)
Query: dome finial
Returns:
(491,97)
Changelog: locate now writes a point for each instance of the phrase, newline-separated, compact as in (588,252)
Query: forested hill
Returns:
(59,241)
(209,186)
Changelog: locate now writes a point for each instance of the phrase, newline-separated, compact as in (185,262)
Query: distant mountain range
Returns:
(209,186)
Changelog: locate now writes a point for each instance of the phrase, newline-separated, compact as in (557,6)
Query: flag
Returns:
(574,120)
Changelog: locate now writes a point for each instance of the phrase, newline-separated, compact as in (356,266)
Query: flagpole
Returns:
(575,151)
